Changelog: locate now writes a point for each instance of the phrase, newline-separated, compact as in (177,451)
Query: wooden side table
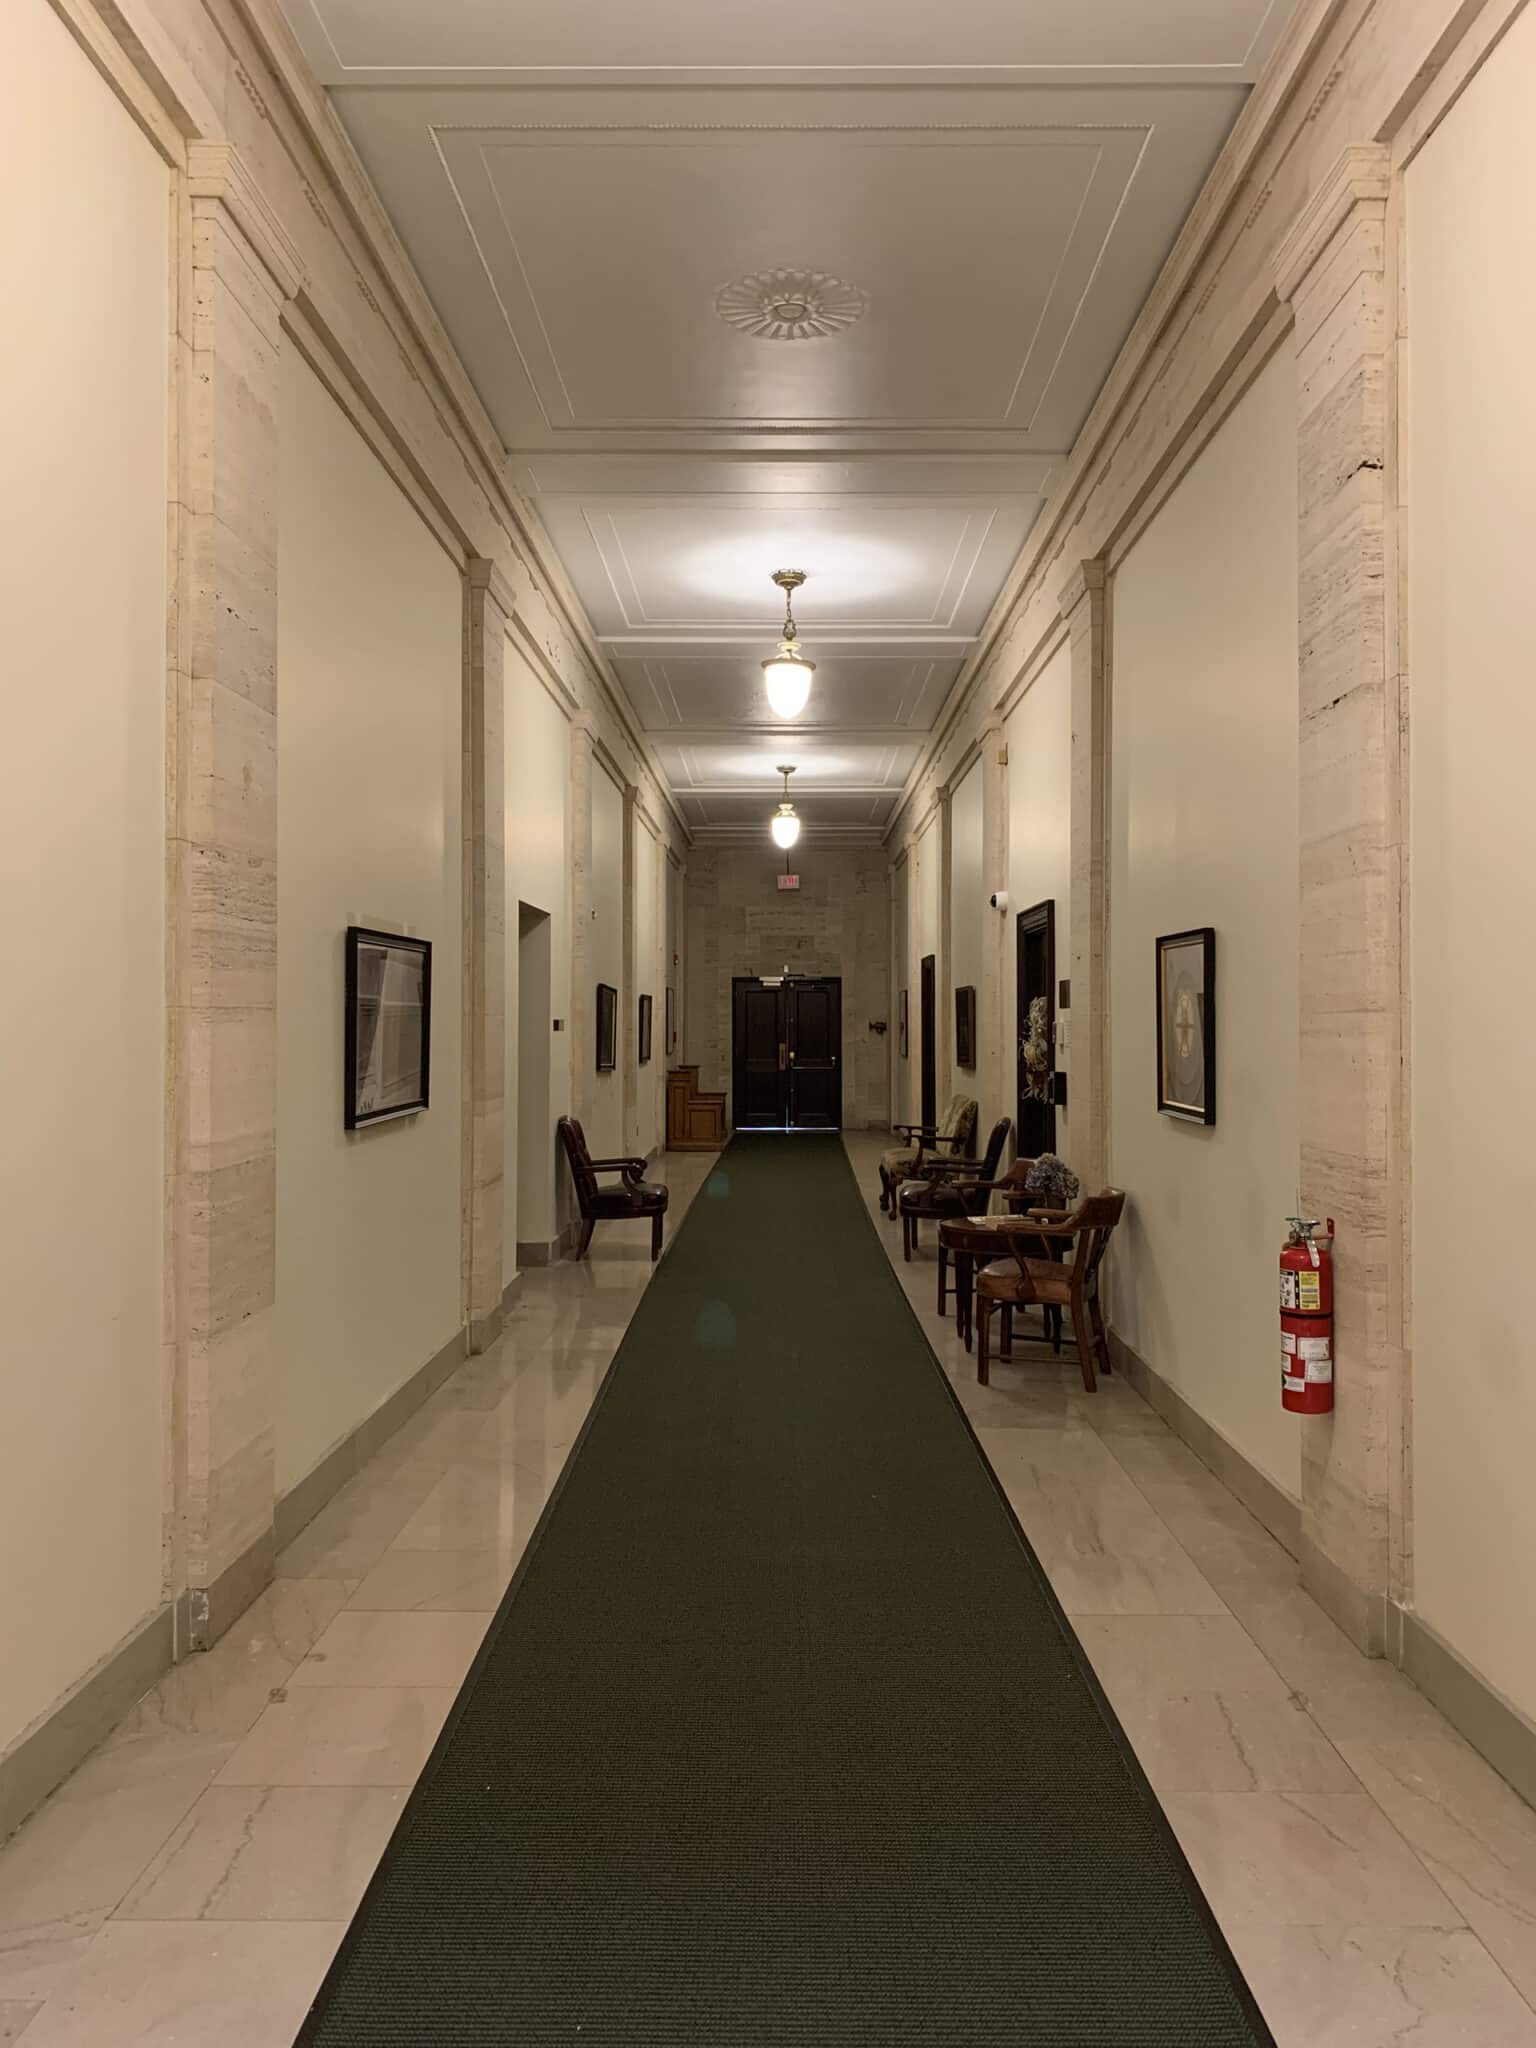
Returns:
(974,1241)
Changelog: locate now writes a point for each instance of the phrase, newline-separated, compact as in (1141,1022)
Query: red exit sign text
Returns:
(789,881)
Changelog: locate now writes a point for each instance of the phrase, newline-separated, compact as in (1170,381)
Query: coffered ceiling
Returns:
(971,202)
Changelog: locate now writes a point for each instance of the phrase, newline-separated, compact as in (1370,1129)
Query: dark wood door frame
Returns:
(928,1025)
(1035,970)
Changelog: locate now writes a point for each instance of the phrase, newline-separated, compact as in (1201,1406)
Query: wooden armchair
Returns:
(941,1188)
(950,1136)
(634,1196)
(1027,1280)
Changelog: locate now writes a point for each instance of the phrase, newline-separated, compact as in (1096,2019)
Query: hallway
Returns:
(193,1879)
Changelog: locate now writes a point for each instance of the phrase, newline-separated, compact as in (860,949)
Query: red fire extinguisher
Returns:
(1306,1319)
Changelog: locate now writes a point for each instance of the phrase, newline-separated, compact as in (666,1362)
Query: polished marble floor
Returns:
(189,1884)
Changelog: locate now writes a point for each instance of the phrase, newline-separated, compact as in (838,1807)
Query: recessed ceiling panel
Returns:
(352,37)
(753,763)
(725,692)
(678,565)
(969,249)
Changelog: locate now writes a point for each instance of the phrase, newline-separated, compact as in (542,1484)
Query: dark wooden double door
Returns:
(786,1054)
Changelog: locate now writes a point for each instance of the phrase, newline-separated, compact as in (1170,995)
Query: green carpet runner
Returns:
(779,1735)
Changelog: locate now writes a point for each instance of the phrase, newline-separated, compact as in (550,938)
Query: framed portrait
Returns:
(901,1026)
(645,1029)
(607,1028)
(1186,1025)
(965,1027)
(388,1026)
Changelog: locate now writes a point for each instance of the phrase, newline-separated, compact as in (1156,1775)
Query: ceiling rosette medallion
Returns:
(790,305)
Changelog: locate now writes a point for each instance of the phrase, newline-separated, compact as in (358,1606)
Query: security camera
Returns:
(999,899)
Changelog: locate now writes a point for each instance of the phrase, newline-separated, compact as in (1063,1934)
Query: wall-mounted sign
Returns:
(789,881)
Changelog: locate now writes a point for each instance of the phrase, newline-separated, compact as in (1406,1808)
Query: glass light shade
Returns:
(788,677)
(785,826)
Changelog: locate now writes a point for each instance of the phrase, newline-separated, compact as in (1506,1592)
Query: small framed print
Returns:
(388,1026)
(901,1026)
(965,1027)
(1186,1025)
(607,1028)
(646,1004)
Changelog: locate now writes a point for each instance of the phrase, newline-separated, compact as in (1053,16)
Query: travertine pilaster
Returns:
(629,1008)
(487,612)
(583,998)
(1332,269)
(945,1033)
(995,1067)
(222,890)
(1082,604)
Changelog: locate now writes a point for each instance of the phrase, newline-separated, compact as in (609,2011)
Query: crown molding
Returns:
(1357,183)
(217,173)
(1085,580)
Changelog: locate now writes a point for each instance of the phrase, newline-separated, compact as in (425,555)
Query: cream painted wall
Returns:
(648,981)
(1472,410)
(605,1126)
(538,772)
(83,350)
(1039,736)
(967,907)
(369,796)
(1204,832)
(903,1070)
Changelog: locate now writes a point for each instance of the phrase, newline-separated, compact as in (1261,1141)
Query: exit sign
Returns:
(789,881)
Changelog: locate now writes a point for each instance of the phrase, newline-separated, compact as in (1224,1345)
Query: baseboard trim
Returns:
(541,1251)
(1266,1500)
(1361,1615)
(301,1503)
(43,1755)
(1494,1725)
(203,1613)
(510,1293)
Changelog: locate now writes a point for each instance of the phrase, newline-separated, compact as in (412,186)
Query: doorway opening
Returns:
(928,1025)
(786,1053)
(535,1224)
(1036,1125)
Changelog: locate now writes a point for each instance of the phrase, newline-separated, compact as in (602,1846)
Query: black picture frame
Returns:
(607,1028)
(901,1027)
(965,1026)
(1186,1025)
(646,1006)
(382,1028)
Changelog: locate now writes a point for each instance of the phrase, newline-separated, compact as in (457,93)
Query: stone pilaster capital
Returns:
(1356,187)
(941,795)
(486,577)
(218,176)
(1085,579)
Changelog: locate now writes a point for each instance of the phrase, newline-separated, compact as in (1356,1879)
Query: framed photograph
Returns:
(388,1026)
(669,1027)
(901,1026)
(965,1027)
(1186,1025)
(645,1029)
(607,1028)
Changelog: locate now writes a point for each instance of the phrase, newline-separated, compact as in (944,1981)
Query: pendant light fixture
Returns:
(784,825)
(788,674)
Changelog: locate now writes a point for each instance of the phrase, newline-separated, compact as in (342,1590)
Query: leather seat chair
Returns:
(633,1197)
(950,1187)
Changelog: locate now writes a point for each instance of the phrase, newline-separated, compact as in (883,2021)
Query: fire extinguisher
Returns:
(1306,1319)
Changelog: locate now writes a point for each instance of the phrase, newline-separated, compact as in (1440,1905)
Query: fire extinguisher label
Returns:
(1301,1293)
